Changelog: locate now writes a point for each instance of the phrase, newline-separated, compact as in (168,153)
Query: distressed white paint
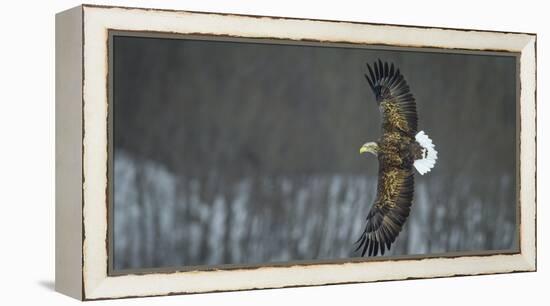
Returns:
(528,148)
(97,21)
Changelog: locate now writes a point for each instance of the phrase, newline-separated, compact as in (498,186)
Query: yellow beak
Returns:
(363,150)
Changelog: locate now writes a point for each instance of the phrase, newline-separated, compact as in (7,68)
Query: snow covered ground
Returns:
(161,219)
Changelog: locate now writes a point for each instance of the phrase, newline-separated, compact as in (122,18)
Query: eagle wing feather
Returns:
(394,98)
(391,208)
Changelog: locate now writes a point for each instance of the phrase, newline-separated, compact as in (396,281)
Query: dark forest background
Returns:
(249,153)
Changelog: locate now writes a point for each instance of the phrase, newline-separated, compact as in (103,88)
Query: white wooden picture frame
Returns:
(82,98)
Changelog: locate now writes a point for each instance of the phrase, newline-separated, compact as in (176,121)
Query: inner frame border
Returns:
(270,41)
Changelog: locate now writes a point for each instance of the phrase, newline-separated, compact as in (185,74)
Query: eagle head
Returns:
(370,147)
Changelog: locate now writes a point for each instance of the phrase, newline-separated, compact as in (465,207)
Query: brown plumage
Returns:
(397,150)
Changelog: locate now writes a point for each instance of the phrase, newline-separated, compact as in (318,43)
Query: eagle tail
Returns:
(429,154)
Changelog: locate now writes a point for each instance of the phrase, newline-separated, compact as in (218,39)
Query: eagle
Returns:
(400,150)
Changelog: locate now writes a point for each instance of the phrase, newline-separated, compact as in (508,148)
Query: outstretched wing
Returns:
(390,210)
(393,96)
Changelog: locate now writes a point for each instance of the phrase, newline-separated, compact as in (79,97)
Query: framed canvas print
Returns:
(200,152)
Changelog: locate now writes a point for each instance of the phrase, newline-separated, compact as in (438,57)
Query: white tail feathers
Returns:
(429,154)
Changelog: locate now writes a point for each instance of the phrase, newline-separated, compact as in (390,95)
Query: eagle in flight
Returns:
(400,150)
